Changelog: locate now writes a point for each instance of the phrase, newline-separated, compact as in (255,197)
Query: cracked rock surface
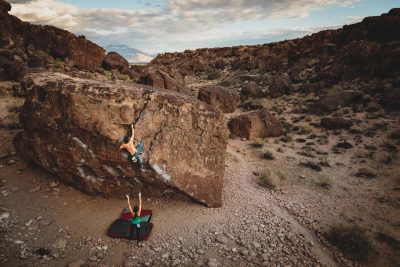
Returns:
(73,128)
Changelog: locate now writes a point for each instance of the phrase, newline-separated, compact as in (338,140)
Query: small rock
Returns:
(265,256)
(53,184)
(10,162)
(221,239)
(4,215)
(93,258)
(37,188)
(165,256)
(60,243)
(176,262)
(212,262)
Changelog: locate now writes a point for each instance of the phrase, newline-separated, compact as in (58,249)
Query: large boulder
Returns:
(391,99)
(12,66)
(256,124)
(280,85)
(114,61)
(4,6)
(252,90)
(73,129)
(161,79)
(334,123)
(337,99)
(220,97)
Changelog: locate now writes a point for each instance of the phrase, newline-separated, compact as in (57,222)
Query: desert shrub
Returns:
(272,179)
(300,108)
(389,240)
(15,109)
(312,165)
(108,74)
(324,161)
(324,181)
(343,111)
(59,64)
(365,173)
(372,107)
(124,77)
(268,155)
(307,151)
(304,130)
(395,134)
(287,138)
(258,142)
(352,241)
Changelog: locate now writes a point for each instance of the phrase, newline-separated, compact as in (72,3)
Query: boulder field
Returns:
(73,129)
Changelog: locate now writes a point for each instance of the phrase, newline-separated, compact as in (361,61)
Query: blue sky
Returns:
(176,25)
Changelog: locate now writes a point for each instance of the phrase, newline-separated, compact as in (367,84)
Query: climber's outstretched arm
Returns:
(133,133)
(140,203)
(129,204)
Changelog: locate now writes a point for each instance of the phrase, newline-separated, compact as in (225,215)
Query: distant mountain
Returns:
(133,55)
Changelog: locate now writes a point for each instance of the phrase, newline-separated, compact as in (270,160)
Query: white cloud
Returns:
(176,25)
(52,12)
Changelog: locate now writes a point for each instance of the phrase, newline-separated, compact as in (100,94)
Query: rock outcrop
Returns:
(391,99)
(26,41)
(256,124)
(280,85)
(337,99)
(252,90)
(220,97)
(114,61)
(161,79)
(73,129)
(353,54)
(334,123)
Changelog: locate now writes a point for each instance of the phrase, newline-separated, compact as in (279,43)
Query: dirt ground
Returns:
(44,222)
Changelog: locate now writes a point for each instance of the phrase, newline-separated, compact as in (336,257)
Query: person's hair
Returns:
(126,139)
(135,210)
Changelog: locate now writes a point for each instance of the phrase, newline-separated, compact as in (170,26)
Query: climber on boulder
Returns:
(134,152)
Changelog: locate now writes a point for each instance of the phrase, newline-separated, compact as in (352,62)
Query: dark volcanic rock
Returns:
(220,97)
(12,67)
(73,50)
(255,124)
(252,90)
(280,85)
(334,100)
(161,79)
(113,60)
(73,129)
(4,6)
(334,123)
(391,99)
(256,104)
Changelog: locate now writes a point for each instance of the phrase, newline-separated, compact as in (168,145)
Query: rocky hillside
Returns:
(364,56)
(23,44)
